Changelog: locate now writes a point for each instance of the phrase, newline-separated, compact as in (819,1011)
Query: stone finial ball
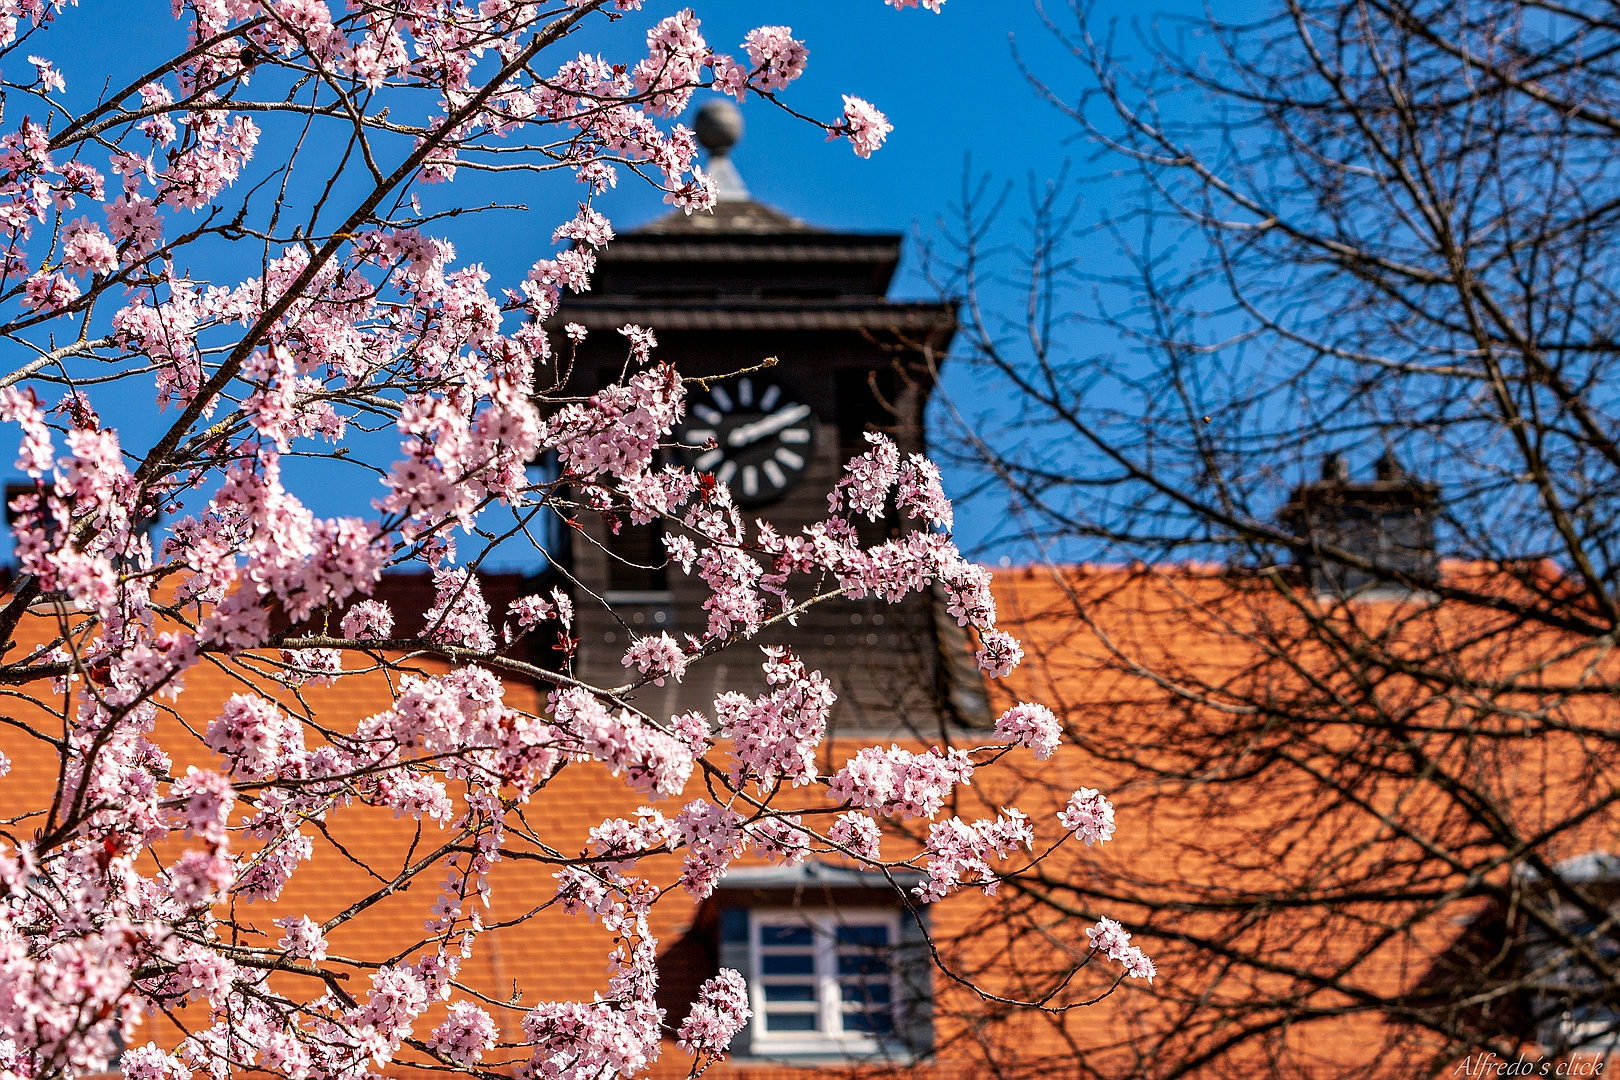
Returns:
(719,125)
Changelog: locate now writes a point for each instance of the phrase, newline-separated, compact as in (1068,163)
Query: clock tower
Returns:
(806,354)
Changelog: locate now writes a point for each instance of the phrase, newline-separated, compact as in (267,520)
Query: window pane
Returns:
(861,964)
(803,992)
(875,993)
(875,1021)
(790,1021)
(863,935)
(785,935)
(790,964)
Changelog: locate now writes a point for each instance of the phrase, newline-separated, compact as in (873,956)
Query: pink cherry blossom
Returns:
(465,1034)
(397,998)
(921,494)
(258,738)
(967,592)
(200,877)
(302,938)
(719,1013)
(713,837)
(775,736)
(273,355)
(642,341)
(776,55)
(651,760)
(1032,725)
(368,620)
(206,799)
(865,126)
(1108,936)
(587,227)
(999,653)
(1089,815)
(36,456)
(1138,965)
(681,550)
(729,77)
(86,249)
(779,839)
(48,293)
(49,78)
(149,1062)
(459,615)
(898,782)
(650,832)
(692,730)
(958,853)
(618,431)
(676,53)
(868,479)
(857,832)
(316,667)
(1113,940)
(133,220)
(214,160)
(657,658)
(160,128)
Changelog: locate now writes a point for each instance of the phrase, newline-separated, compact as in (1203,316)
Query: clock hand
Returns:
(744,434)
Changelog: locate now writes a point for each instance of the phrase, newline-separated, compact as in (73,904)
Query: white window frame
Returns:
(831,1038)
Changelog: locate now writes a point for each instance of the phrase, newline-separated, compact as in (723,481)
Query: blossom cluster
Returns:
(1089,815)
(719,1013)
(1114,941)
(897,782)
(958,852)
(1032,725)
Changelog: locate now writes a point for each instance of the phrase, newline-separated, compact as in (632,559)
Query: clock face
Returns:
(752,434)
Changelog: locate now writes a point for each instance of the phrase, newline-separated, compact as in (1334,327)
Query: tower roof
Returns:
(747,267)
(745,216)
(719,126)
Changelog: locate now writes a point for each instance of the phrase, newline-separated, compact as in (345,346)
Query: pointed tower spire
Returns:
(719,125)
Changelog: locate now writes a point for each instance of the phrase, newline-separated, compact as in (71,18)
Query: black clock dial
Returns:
(752,434)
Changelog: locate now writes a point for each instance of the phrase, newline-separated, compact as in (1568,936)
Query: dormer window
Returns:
(824,978)
(837,969)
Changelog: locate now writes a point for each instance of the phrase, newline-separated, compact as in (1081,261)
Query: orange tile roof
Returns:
(1150,668)
(1164,850)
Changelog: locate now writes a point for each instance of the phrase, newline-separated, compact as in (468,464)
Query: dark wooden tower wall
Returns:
(724,293)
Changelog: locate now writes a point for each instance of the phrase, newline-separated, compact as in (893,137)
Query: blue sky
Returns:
(948,82)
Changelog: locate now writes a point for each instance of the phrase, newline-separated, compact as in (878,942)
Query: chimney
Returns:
(1387,521)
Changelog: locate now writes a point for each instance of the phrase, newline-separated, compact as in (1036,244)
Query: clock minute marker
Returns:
(745,391)
(711,415)
(698,436)
(727,471)
(722,399)
(709,460)
(750,480)
(788,457)
(774,473)
(795,435)
(770,397)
